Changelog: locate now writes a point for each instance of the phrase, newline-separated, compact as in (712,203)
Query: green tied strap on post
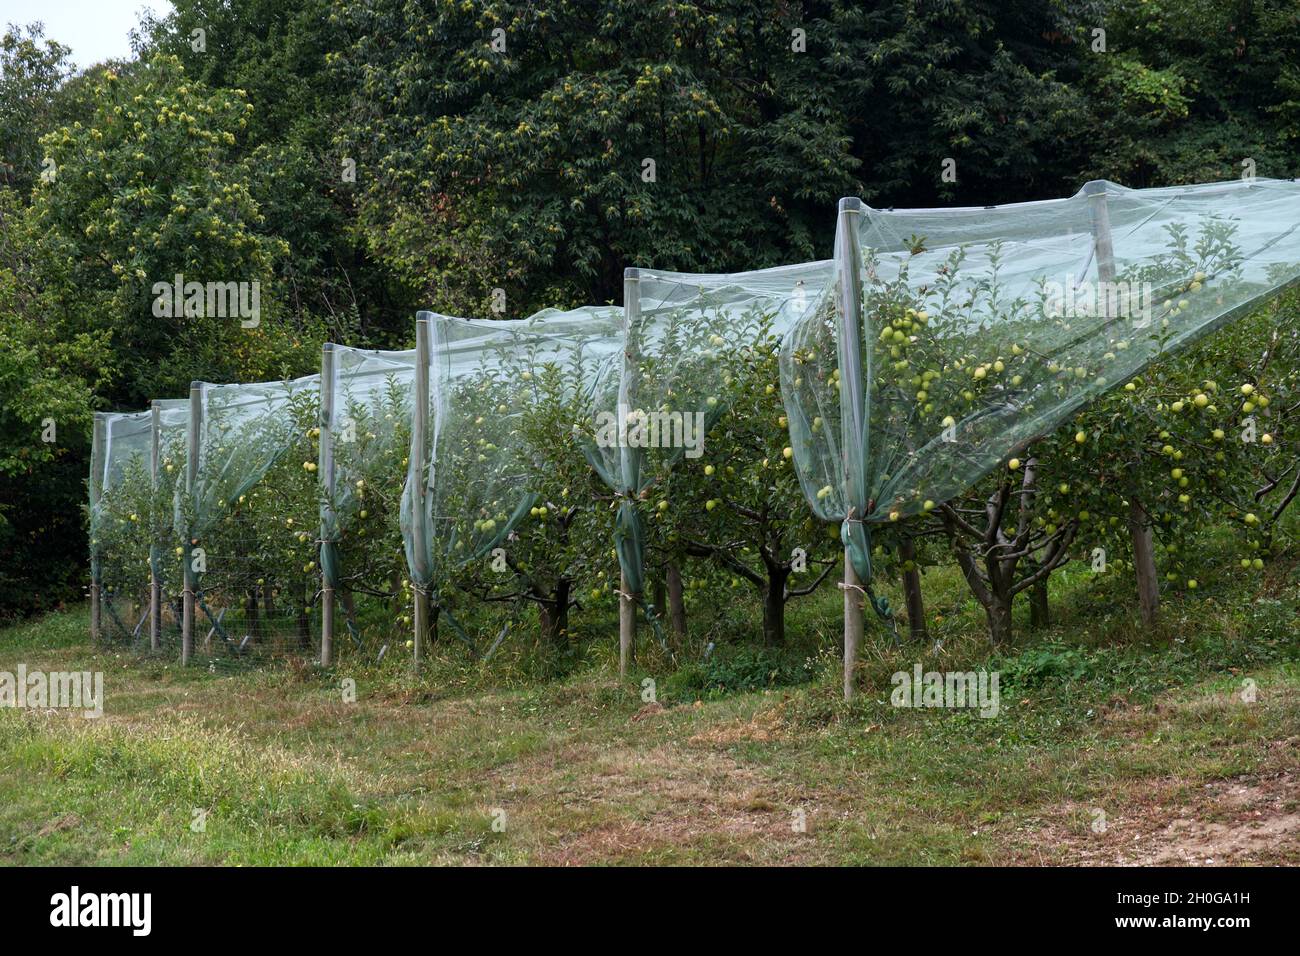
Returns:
(329,562)
(857,543)
(629,545)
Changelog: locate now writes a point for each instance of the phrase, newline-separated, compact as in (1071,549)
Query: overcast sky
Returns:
(95,29)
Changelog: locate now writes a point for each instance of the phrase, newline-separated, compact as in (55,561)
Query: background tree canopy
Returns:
(361,160)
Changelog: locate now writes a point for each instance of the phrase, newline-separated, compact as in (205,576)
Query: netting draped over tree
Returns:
(244,429)
(933,346)
(121,519)
(249,511)
(132,479)
(475,476)
(369,423)
(171,423)
(681,331)
(365,428)
(977,330)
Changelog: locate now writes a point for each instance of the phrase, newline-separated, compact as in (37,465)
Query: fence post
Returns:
(155,586)
(191,479)
(96,481)
(419,445)
(629,472)
(326,470)
(853,418)
(1144,561)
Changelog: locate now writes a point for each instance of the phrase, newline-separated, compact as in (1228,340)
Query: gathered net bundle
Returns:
(687,337)
(251,518)
(506,404)
(121,519)
(366,407)
(981,329)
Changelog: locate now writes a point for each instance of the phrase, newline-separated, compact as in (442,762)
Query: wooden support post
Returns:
(854,421)
(629,459)
(191,480)
(326,471)
(626,627)
(421,619)
(420,463)
(96,482)
(1144,560)
(854,624)
(326,626)
(155,586)
(94,611)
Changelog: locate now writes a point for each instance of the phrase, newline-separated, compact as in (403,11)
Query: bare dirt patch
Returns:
(1247,820)
(622,804)
(69,821)
(763,726)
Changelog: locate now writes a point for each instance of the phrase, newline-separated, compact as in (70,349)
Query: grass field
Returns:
(1112,745)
